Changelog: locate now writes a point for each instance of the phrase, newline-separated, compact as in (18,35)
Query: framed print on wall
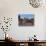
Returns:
(26,19)
(36,3)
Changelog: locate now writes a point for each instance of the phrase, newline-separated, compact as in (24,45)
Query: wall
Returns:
(11,8)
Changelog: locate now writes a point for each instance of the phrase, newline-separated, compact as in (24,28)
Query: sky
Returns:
(28,16)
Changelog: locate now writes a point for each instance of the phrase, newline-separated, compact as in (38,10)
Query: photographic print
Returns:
(25,19)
